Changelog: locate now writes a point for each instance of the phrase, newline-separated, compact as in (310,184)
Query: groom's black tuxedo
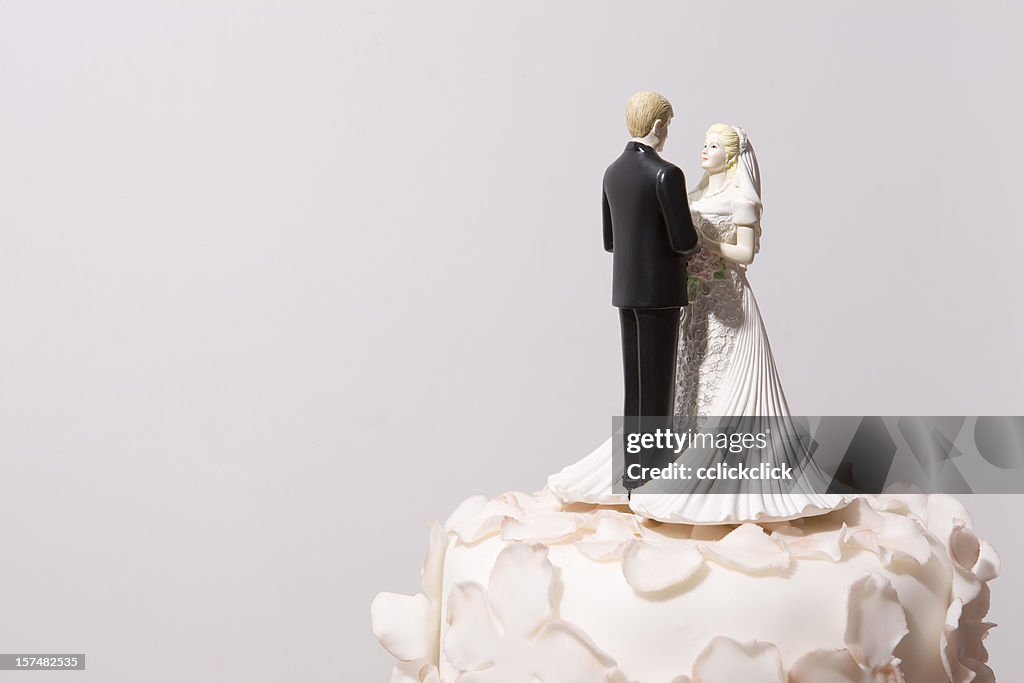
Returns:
(647,228)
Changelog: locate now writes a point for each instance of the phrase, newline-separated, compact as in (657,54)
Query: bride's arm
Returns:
(745,216)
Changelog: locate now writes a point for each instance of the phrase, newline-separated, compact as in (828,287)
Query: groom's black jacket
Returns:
(647,228)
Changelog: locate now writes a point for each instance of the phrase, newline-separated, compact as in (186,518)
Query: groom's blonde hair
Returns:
(643,109)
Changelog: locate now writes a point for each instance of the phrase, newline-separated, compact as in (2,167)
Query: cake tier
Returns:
(525,588)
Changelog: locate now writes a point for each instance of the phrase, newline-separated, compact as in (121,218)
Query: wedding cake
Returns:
(525,588)
(581,583)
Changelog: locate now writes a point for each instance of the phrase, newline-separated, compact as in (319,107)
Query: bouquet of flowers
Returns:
(701,269)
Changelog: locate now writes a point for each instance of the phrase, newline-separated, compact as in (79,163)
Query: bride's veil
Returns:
(748,173)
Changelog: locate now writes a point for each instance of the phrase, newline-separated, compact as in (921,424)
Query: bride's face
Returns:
(714,158)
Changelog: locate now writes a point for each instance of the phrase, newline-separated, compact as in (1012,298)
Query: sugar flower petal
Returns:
(471,642)
(859,514)
(876,622)
(402,624)
(964,551)
(955,670)
(520,589)
(963,653)
(415,672)
(530,646)
(654,566)
(612,523)
(828,666)
(543,526)
(943,513)
(818,545)
(987,566)
(613,533)
(562,653)
(902,538)
(405,672)
(465,510)
(748,548)
(964,546)
(487,520)
(726,661)
(865,539)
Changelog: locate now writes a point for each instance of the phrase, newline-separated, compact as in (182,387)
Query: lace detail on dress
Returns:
(707,330)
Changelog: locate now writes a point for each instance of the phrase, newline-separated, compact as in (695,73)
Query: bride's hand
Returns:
(743,251)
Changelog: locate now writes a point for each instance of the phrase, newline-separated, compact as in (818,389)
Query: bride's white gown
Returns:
(724,368)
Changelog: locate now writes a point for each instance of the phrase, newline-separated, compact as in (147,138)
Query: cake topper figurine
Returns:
(720,366)
(647,228)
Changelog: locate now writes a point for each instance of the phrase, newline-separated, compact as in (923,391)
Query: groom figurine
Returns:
(648,230)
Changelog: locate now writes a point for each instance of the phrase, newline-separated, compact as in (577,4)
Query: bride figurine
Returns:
(725,368)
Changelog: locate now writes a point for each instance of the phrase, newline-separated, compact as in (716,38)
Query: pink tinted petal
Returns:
(542,527)
(520,588)
(726,661)
(429,674)
(562,653)
(650,567)
(821,545)
(471,642)
(828,666)
(748,548)
(865,539)
(402,624)
(876,622)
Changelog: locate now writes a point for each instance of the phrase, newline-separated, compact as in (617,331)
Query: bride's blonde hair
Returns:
(731,140)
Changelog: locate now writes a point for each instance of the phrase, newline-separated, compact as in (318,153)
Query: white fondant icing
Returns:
(889,588)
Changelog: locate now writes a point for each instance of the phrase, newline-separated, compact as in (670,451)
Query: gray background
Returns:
(281,281)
